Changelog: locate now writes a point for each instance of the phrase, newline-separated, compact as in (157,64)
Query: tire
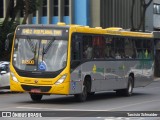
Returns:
(82,96)
(91,93)
(129,90)
(36,97)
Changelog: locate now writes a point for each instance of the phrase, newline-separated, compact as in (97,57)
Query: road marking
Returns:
(123,118)
(116,108)
(153,87)
(57,109)
(142,88)
(129,105)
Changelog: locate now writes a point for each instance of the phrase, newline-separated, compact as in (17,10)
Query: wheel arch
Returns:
(88,80)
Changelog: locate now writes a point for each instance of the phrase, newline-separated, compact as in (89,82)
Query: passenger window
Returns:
(76,47)
(108,48)
(119,48)
(144,49)
(114,47)
(147,46)
(98,47)
(129,48)
(87,47)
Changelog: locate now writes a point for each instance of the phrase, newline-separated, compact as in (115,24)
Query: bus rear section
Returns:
(156,35)
(110,62)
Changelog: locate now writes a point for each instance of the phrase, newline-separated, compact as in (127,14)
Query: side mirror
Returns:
(3,72)
(8,41)
(6,44)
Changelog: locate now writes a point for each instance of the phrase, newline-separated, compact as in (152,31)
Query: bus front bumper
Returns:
(40,89)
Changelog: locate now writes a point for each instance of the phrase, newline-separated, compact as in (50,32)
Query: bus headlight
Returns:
(13,77)
(61,80)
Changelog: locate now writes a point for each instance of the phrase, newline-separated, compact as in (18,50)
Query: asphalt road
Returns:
(145,99)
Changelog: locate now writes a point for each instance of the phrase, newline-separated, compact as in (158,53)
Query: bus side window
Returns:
(98,46)
(107,48)
(76,47)
(144,49)
(110,48)
(119,47)
(148,46)
(129,48)
(87,47)
(139,48)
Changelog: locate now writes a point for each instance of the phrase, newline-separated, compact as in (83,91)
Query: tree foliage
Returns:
(30,6)
(9,24)
(143,7)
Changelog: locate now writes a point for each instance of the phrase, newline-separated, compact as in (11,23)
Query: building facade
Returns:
(155,14)
(103,13)
(53,11)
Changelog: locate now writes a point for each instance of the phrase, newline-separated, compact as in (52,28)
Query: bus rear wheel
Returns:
(36,97)
(129,90)
(82,96)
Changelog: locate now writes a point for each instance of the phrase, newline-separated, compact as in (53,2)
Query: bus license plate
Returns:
(35,90)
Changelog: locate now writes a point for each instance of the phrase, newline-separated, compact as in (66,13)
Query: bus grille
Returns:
(42,88)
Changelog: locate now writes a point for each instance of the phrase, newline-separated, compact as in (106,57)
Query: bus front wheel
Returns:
(36,97)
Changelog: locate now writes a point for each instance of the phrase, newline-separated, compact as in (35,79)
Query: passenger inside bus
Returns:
(128,49)
(88,52)
(117,55)
(107,51)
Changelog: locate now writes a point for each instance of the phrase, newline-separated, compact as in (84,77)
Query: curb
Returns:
(156,79)
(7,91)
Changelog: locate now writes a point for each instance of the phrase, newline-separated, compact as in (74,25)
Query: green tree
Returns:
(30,6)
(9,24)
(143,7)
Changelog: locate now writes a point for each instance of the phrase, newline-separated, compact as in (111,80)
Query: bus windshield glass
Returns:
(40,53)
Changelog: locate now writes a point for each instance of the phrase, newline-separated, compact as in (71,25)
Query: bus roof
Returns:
(117,31)
(41,26)
(98,30)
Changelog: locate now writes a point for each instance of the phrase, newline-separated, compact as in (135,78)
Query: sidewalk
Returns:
(156,79)
(5,91)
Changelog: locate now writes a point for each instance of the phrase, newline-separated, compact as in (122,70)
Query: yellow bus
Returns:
(79,60)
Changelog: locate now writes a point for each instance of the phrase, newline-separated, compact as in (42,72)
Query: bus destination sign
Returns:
(41,32)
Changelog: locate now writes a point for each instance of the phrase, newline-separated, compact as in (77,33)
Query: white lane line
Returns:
(116,108)
(150,88)
(57,109)
(133,104)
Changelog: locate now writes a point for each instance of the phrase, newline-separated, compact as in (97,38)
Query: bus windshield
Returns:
(40,54)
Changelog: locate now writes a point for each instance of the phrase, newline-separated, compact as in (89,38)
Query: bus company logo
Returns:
(6,114)
(96,69)
(35,81)
(122,67)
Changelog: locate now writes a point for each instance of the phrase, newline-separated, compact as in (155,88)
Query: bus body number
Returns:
(28,62)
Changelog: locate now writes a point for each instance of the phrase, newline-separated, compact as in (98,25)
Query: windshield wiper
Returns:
(43,52)
(48,47)
(33,49)
(45,49)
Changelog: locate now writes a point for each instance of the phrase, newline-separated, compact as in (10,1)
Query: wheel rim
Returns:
(84,94)
(130,87)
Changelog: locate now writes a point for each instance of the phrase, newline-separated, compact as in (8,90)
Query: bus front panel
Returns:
(39,61)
